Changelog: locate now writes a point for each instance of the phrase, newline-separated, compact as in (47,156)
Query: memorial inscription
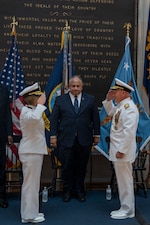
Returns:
(97,31)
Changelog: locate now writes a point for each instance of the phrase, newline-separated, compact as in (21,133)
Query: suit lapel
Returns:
(69,102)
(83,102)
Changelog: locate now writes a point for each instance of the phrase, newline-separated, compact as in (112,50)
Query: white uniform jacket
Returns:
(123,129)
(33,130)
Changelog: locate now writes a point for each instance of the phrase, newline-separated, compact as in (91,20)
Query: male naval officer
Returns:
(122,152)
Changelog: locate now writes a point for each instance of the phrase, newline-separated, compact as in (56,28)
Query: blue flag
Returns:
(12,76)
(58,81)
(146,77)
(53,89)
(125,73)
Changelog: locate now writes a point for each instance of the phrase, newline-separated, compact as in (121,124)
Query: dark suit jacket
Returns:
(66,123)
(5,115)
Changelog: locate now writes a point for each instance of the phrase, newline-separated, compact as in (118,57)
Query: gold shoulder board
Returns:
(126,106)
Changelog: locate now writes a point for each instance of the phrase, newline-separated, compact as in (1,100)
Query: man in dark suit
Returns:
(6,132)
(74,129)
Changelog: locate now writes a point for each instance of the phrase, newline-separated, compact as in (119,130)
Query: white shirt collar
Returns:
(78,96)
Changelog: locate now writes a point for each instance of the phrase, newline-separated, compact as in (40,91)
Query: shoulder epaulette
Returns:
(126,106)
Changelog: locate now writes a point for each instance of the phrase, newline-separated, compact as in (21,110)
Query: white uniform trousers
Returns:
(31,166)
(124,175)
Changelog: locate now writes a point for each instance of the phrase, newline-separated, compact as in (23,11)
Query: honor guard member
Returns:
(31,152)
(122,152)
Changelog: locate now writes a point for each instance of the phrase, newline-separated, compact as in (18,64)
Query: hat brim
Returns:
(117,88)
(37,93)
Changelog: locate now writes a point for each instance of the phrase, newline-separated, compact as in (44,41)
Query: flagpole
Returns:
(70,56)
(13,33)
(65,43)
(14,24)
(148,152)
(128,26)
(146,78)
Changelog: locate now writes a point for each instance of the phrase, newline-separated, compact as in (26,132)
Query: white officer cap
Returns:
(31,90)
(122,86)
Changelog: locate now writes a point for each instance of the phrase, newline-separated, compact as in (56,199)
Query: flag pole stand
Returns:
(148,176)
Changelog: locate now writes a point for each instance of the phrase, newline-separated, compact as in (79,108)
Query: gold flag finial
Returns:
(128,26)
(67,27)
(14,24)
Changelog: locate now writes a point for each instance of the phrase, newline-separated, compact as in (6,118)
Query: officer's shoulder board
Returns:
(126,106)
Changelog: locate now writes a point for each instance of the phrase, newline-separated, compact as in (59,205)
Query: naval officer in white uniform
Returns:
(31,152)
(122,152)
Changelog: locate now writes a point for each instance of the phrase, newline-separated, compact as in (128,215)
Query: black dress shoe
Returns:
(81,197)
(66,197)
(3,203)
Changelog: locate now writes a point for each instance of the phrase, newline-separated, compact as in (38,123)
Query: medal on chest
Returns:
(117,119)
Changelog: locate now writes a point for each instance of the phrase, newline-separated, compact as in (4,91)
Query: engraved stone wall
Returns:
(96,27)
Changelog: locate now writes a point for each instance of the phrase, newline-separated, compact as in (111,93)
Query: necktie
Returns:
(76,104)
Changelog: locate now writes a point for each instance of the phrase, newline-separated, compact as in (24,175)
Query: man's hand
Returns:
(53,142)
(119,155)
(96,140)
(10,140)
(110,95)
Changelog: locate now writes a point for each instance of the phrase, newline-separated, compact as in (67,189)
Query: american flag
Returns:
(12,76)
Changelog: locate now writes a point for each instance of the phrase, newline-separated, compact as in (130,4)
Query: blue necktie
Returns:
(76,104)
